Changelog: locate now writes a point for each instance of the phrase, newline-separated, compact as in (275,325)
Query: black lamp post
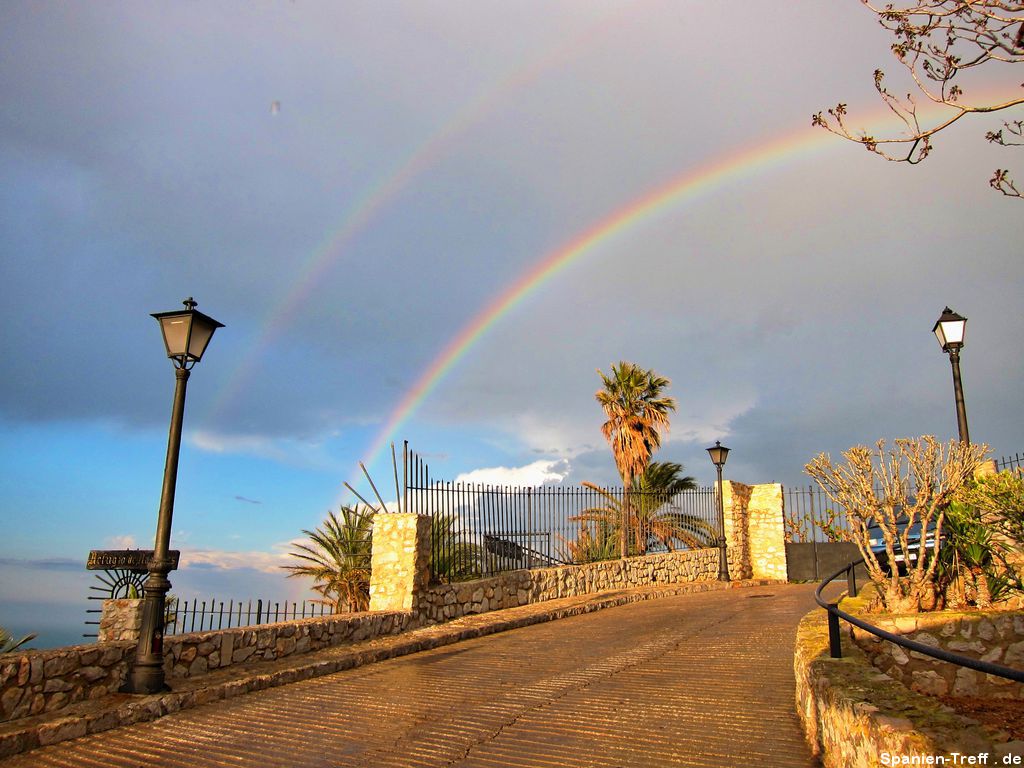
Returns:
(949,330)
(186,334)
(719,453)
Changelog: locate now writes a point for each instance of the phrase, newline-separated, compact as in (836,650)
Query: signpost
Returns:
(136,560)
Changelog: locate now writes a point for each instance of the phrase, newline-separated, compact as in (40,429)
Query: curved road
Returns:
(695,680)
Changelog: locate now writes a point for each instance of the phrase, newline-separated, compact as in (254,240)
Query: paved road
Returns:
(694,680)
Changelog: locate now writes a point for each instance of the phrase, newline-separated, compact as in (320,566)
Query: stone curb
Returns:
(125,709)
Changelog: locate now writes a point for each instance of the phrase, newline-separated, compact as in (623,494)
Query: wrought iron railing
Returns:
(480,530)
(1010,462)
(204,615)
(810,514)
(835,639)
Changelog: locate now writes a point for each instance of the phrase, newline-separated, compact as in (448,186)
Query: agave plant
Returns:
(337,558)
(8,643)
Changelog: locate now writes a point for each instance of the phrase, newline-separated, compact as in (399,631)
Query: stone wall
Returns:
(852,714)
(735,501)
(766,538)
(400,565)
(33,682)
(120,620)
(443,602)
(994,636)
(754,530)
(197,653)
(400,598)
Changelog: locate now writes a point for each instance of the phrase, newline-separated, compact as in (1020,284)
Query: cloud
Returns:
(121,542)
(222,559)
(309,453)
(538,473)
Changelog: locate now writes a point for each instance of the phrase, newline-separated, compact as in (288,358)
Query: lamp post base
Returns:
(145,678)
(147,673)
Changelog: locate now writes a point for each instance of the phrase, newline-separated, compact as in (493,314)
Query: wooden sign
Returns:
(126,559)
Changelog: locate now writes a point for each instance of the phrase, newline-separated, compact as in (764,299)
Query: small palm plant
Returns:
(8,643)
(337,558)
(594,542)
(650,515)
(453,556)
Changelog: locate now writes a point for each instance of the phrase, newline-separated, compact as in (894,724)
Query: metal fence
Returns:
(811,516)
(1010,462)
(198,616)
(480,530)
(205,615)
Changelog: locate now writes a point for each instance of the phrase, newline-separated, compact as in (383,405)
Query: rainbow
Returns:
(689,186)
(366,208)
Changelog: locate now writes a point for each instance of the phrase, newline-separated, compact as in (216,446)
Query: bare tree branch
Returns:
(936,41)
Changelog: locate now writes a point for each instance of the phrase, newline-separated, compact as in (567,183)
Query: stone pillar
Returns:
(400,566)
(766,532)
(736,499)
(754,530)
(120,620)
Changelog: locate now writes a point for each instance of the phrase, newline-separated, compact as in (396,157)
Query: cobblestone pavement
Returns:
(694,680)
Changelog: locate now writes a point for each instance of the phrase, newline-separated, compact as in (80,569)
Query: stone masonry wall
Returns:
(735,501)
(32,682)
(401,560)
(995,636)
(852,714)
(120,620)
(443,602)
(765,532)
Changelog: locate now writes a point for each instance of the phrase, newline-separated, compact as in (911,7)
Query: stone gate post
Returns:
(400,565)
(754,530)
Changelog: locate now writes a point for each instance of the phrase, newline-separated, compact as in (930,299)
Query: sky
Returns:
(434,223)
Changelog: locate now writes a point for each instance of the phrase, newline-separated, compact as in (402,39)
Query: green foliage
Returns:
(593,544)
(999,498)
(650,515)
(966,559)
(983,540)
(9,644)
(337,558)
(875,490)
(636,412)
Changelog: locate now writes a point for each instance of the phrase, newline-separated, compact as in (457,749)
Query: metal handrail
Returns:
(835,647)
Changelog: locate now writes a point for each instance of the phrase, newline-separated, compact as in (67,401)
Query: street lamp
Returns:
(719,453)
(949,330)
(186,335)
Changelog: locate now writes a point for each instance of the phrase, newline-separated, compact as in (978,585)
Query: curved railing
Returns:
(835,647)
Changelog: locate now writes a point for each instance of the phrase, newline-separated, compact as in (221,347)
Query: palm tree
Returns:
(337,558)
(636,413)
(652,516)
